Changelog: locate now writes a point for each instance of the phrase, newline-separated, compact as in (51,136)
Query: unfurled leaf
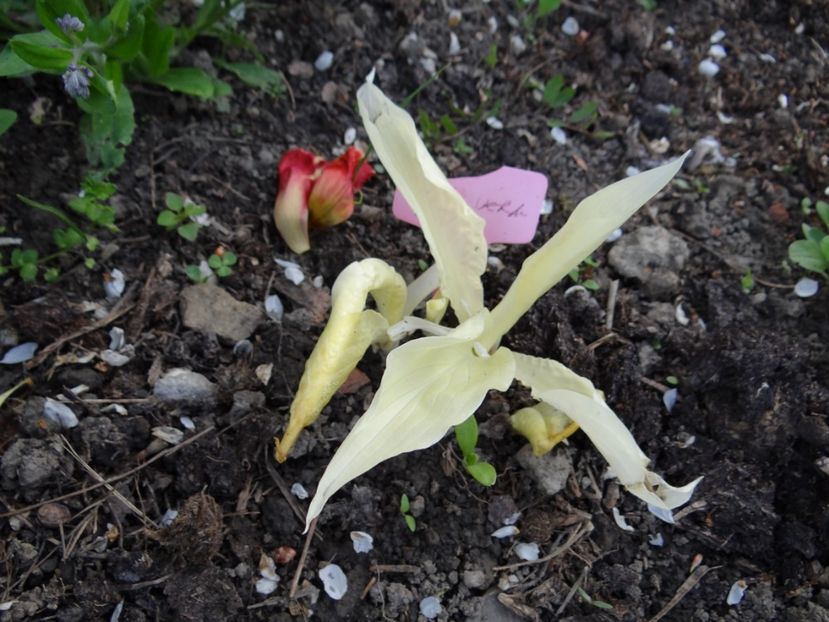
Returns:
(351,329)
(575,396)
(422,395)
(454,232)
(45,58)
(189,231)
(7,119)
(808,254)
(483,472)
(187,80)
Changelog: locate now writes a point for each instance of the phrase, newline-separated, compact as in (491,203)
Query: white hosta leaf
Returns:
(454,232)
(350,330)
(590,224)
(575,396)
(430,385)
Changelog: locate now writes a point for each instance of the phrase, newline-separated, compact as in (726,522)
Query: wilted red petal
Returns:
(290,212)
(332,196)
(354,157)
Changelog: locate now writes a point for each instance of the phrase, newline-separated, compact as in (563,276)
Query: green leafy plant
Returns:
(180,215)
(747,282)
(404,510)
(491,58)
(812,252)
(222,262)
(195,274)
(25,262)
(466,435)
(599,604)
(555,94)
(545,7)
(583,274)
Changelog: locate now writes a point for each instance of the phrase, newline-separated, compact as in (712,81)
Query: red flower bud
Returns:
(297,170)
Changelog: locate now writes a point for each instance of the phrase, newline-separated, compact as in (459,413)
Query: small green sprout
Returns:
(467,436)
(555,94)
(221,262)
(599,604)
(582,275)
(179,215)
(545,7)
(672,380)
(812,252)
(461,148)
(25,262)
(195,274)
(747,282)
(491,58)
(404,510)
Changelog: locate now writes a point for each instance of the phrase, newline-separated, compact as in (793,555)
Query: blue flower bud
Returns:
(76,81)
(69,23)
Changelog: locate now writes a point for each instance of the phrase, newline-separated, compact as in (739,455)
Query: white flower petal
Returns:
(298,490)
(736,593)
(363,542)
(620,520)
(19,354)
(505,532)
(528,551)
(292,271)
(334,581)
(60,413)
(805,288)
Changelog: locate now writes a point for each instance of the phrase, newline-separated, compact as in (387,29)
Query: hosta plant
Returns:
(437,381)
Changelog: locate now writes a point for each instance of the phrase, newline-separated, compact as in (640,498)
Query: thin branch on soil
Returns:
(654,384)
(139,586)
(301,565)
(148,522)
(611,303)
(572,591)
(683,590)
(604,339)
(575,535)
(124,305)
(136,324)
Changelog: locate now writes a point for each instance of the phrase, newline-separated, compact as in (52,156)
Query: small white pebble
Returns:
(513,21)
(168,518)
(512,518)
(495,263)
(669,399)
(187,423)
(430,607)
(114,284)
(492,23)
(324,61)
(736,593)
(454,44)
(724,118)
(59,413)
(620,520)
(630,171)
(767,58)
(717,51)
(670,30)
(19,354)
(570,27)
(709,68)
(656,540)
(615,234)
(783,100)
(806,287)
(681,316)
(298,490)
(528,551)
(114,359)
(517,45)
(279,36)
(547,208)
(662,514)
(292,271)
(717,36)
(273,308)
(116,338)
(318,281)
(559,135)
(7,605)
(363,542)
(495,123)
(115,408)
(266,586)
(505,532)
(350,136)
(800,28)
(116,613)
(334,581)
(667,46)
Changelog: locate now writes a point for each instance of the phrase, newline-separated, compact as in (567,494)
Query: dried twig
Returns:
(575,535)
(686,587)
(654,384)
(611,303)
(572,591)
(301,565)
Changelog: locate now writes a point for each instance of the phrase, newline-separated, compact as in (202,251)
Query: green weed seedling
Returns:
(747,282)
(582,275)
(599,604)
(467,436)
(812,252)
(404,510)
(555,94)
(179,216)
(222,262)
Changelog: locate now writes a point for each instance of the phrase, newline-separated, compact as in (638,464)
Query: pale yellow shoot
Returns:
(430,385)
(542,425)
(454,232)
(350,331)
(593,220)
(575,396)
(436,309)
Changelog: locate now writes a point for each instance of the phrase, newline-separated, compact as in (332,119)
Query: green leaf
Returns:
(256,75)
(230,258)
(28,271)
(194,274)
(223,271)
(7,119)
(67,239)
(13,65)
(214,261)
(824,248)
(49,209)
(119,14)
(48,12)
(808,254)
(591,285)
(127,47)
(812,233)
(822,208)
(97,188)
(587,112)
(483,472)
(747,281)
(89,263)
(187,80)
(91,243)
(491,58)
(545,7)
(50,59)
(51,275)
(167,219)
(410,522)
(174,201)
(467,436)
(157,46)
(448,125)
(189,231)
(404,503)
(672,380)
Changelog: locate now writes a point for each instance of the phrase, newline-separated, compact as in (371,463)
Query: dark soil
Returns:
(752,367)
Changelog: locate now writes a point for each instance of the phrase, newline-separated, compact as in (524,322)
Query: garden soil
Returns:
(749,361)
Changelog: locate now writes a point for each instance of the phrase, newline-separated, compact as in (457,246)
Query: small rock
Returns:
(528,551)
(183,385)
(301,69)
(570,27)
(517,45)
(53,514)
(654,256)
(430,607)
(717,52)
(550,471)
(806,287)
(474,579)
(502,509)
(211,309)
(559,135)
(709,68)
(31,463)
(324,61)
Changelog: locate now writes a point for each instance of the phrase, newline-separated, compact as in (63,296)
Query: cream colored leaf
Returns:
(430,385)
(575,396)
(454,232)
(587,228)
(347,335)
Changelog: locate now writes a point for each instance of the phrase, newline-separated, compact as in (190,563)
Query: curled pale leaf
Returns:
(454,232)
(575,396)
(436,309)
(593,220)
(351,329)
(542,425)
(430,385)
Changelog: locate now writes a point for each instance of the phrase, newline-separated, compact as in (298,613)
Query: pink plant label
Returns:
(508,199)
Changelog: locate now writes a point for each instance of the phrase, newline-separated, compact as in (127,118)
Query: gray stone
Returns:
(493,611)
(31,463)
(652,255)
(811,613)
(550,471)
(183,385)
(474,579)
(210,309)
